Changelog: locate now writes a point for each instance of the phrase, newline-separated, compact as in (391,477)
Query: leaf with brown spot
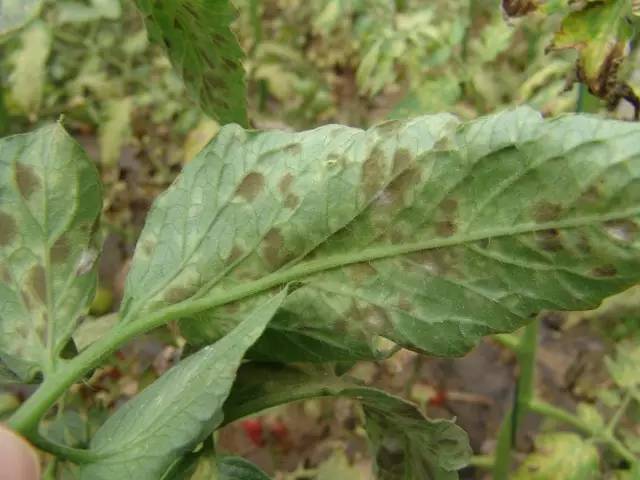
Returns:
(474,239)
(251,186)
(48,237)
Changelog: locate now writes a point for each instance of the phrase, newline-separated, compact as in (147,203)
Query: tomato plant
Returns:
(283,256)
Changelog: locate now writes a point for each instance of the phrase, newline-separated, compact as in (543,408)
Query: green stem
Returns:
(482,461)
(525,389)
(551,411)
(76,455)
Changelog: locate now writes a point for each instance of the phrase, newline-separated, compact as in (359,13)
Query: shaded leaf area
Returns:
(600,31)
(15,13)
(237,468)
(50,202)
(561,456)
(203,50)
(204,465)
(427,232)
(172,416)
(404,443)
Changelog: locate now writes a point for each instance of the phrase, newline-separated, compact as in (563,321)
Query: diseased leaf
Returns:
(15,13)
(29,67)
(405,444)
(561,456)
(204,51)
(170,417)
(50,202)
(427,232)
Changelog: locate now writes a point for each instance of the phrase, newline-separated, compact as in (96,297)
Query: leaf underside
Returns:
(50,202)
(405,444)
(175,413)
(429,232)
(203,50)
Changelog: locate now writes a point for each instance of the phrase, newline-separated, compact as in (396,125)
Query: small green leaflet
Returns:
(50,203)
(203,50)
(405,444)
(169,418)
(429,232)
(237,468)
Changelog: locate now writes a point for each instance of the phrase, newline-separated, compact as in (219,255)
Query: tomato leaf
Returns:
(405,444)
(50,202)
(175,413)
(561,456)
(428,232)
(203,50)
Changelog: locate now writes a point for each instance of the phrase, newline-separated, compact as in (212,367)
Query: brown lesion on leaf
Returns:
(401,160)
(284,185)
(27,180)
(8,229)
(376,319)
(373,172)
(236,254)
(518,8)
(37,281)
(178,294)
(434,261)
(605,271)
(148,244)
(405,304)
(5,274)
(291,201)
(590,196)
(251,186)
(449,206)
(545,211)
(446,228)
(361,272)
(273,248)
(549,240)
(26,299)
(60,250)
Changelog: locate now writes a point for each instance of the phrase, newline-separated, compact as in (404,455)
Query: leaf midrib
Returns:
(305,269)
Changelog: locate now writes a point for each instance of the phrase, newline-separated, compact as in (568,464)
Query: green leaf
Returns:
(170,417)
(29,68)
(15,13)
(204,51)
(405,444)
(625,366)
(561,456)
(50,203)
(429,232)
(237,468)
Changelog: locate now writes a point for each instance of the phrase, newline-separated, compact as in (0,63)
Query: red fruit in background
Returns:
(253,429)
(438,399)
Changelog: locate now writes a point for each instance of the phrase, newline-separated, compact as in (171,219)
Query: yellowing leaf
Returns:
(114,131)
(561,456)
(29,68)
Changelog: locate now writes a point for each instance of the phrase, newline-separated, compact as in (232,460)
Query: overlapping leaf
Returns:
(50,202)
(429,232)
(170,417)
(405,444)
(204,51)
